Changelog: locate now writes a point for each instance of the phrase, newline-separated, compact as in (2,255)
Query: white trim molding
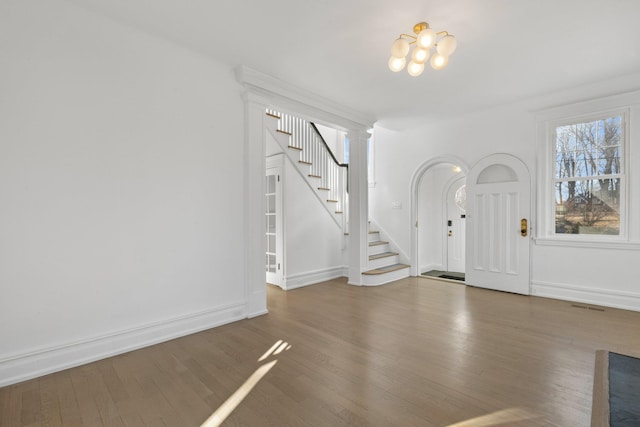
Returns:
(21,367)
(301,102)
(587,295)
(308,278)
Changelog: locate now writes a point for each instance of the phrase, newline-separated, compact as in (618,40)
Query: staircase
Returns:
(302,143)
(327,178)
(384,263)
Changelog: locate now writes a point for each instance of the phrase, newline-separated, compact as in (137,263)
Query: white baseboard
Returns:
(312,277)
(596,296)
(21,367)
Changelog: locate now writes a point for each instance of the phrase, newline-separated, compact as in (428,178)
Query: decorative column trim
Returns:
(358,205)
(254,205)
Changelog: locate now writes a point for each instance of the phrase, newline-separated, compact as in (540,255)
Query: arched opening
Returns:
(437,221)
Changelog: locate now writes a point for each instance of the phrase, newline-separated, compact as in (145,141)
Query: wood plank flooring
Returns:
(417,352)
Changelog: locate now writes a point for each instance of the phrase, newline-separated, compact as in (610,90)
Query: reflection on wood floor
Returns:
(417,352)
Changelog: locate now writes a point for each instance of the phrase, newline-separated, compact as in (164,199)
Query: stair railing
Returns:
(333,174)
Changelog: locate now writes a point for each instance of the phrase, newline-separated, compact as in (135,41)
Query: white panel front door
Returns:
(455,229)
(498,200)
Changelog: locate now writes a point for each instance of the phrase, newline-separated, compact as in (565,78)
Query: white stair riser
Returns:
(378,249)
(373,237)
(382,262)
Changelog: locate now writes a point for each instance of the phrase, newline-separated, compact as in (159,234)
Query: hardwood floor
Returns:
(417,352)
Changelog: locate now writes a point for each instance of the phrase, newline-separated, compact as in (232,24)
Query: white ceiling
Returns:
(507,49)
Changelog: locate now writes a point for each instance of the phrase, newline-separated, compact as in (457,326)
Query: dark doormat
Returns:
(624,390)
(450,275)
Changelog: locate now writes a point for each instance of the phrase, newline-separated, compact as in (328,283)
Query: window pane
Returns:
(588,207)
(583,164)
(588,149)
(609,160)
(346,149)
(271,184)
(271,223)
(565,138)
(271,263)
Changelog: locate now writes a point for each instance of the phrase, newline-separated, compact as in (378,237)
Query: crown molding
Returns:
(314,107)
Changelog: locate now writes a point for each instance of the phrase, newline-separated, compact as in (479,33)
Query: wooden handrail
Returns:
(342,165)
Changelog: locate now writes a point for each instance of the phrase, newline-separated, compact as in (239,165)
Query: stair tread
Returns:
(314,176)
(377,243)
(386,269)
(339,212)
(273,115)
(382,255)
(324,188)
(294,147)
(306,163)
(332,201)
(284,132)
(373,232)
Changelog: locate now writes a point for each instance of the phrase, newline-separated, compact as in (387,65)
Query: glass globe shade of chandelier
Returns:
(423,42)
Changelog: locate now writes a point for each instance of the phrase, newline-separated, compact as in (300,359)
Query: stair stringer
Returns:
(282,139)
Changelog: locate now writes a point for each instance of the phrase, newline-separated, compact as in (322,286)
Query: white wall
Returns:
(313,241)
(597,275)
(121,176)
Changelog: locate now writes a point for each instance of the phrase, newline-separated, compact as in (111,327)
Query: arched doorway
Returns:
(430,187)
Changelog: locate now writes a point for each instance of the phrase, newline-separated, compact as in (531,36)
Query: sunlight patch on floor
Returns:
(497,418)
(217,418)
(271,350)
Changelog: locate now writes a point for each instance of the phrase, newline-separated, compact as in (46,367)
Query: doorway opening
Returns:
(439,191)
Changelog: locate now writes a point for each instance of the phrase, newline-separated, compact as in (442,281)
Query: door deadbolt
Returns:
(523,227)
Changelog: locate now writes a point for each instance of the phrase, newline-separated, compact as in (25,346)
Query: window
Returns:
(370,160)
(588,175)
(346,149)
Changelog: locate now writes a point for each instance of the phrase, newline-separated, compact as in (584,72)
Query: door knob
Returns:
(523,227)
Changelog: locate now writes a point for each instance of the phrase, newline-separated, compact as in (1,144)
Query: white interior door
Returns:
(498,235)
(455,228)
(273,226)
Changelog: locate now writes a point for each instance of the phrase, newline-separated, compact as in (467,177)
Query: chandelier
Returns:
(424,40)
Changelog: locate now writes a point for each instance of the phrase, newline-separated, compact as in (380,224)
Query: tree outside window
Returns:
(588,176)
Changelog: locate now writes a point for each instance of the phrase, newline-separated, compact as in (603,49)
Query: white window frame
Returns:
(371,160)
(546,122)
